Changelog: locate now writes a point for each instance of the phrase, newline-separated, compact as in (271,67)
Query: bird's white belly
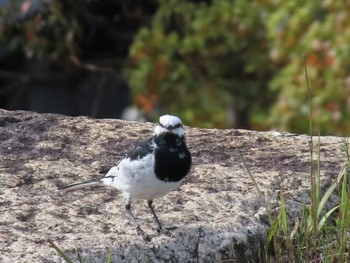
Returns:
(151,189)
(136,179)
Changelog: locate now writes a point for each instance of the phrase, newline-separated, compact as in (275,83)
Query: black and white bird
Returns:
(151,170)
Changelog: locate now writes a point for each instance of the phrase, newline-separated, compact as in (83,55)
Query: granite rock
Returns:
(217,212)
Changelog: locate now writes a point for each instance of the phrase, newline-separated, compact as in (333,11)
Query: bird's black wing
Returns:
(141,150)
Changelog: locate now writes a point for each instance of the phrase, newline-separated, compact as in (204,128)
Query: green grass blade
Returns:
(346,149)
(273,233)
(295,229)
(80,258)
(109,260)
(318,187)
(284,216)
(344,212)
(269,214)
(59,251)
(325,217)
(325,198)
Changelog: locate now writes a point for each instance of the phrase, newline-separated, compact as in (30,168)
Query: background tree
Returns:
(66,56)
(204,60)
(236,56)
(227,63)
(321,31)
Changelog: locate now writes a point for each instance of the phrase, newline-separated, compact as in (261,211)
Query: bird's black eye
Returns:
(170,127)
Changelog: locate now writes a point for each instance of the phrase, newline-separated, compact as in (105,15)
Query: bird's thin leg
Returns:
(149,203)
(160,227)
(138,228)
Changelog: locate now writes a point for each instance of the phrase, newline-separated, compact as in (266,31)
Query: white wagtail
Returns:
(151,170)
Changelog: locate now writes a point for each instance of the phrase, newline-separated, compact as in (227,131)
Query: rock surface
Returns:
(218,213)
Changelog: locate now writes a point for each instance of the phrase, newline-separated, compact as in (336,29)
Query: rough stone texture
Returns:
(217,211)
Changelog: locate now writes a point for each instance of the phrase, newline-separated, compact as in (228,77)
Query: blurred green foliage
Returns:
(204,59)
(226,63)
(321,31)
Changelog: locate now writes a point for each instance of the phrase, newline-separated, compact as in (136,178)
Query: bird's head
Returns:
(169,124)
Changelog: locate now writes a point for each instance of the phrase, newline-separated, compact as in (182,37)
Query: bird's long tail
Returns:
(73,187)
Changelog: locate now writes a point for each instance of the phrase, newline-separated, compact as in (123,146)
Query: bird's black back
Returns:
(142,149)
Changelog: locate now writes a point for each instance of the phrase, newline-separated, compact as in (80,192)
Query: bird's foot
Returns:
(166,231)
(143,234)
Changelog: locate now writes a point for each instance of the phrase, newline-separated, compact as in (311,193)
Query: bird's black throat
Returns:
(172,160)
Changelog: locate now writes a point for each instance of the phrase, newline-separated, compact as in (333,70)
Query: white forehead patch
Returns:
(169,120)
(169,123)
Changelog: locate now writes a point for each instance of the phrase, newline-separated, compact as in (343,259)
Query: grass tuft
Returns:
(60,252)
(67,259)
(319,235)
